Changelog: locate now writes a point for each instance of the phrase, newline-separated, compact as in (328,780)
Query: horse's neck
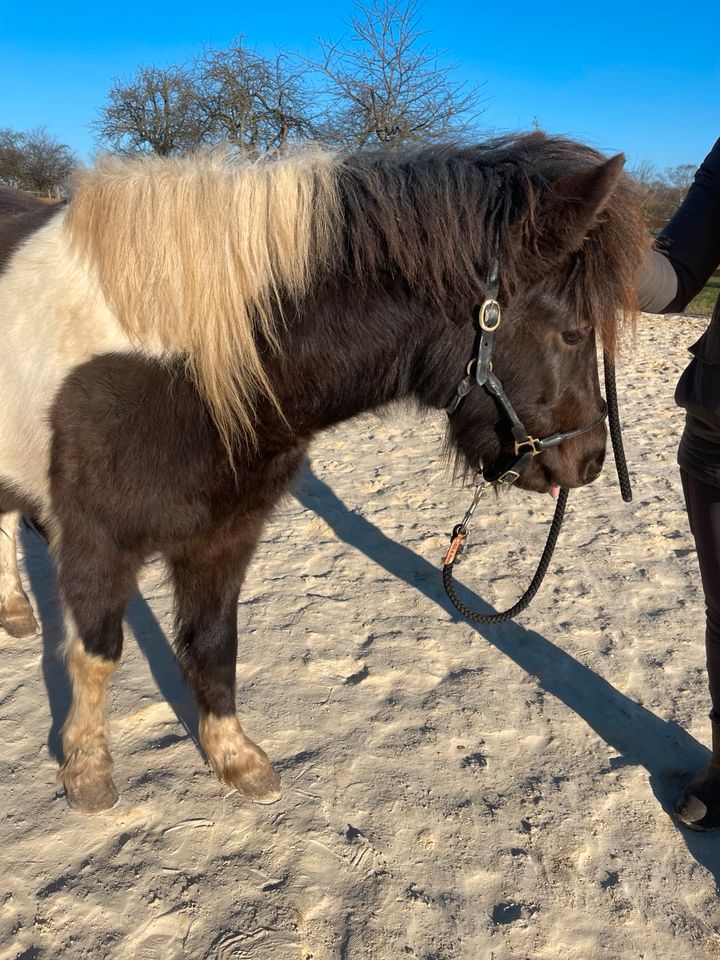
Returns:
(345,354)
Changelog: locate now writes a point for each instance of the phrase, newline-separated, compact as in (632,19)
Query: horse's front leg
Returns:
(208,574)
(16,614)
(95,581)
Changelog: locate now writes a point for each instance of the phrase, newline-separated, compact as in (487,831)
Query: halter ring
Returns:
(473,363)
(532,443)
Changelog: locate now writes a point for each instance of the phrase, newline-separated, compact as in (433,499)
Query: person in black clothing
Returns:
(683,258)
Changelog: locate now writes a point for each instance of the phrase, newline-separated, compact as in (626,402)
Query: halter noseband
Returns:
(525,447)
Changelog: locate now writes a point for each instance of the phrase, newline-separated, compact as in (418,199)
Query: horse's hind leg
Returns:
(208,574)
(96,581)
(16,614)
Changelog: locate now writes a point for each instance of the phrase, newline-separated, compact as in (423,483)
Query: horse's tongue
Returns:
(554,491)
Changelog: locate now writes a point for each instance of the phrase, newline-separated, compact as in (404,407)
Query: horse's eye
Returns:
(572,337)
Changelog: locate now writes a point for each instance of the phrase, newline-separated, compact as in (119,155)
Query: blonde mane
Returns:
(194,255)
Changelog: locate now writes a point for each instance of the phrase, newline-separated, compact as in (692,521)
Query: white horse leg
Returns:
(16,614)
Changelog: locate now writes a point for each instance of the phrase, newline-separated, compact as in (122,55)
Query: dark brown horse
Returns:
(172,343)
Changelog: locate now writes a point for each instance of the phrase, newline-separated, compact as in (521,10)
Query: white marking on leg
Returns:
(237,760)
(16,615)
(87,770)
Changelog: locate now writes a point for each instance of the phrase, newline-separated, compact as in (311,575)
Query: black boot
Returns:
(698,806)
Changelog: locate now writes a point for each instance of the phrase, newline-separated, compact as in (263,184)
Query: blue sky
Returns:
(637,77)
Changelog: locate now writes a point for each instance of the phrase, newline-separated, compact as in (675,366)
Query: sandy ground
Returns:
(450,791)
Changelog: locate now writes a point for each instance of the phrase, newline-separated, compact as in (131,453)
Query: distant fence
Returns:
(655,226)
(45,196)
(52,195)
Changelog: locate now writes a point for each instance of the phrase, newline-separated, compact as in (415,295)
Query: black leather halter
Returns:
(506,470)
(526,447)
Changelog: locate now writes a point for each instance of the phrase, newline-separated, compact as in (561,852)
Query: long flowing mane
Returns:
(195,255)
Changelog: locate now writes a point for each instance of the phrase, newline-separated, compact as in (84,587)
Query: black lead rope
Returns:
(525,599)
(615,431)
(459,534)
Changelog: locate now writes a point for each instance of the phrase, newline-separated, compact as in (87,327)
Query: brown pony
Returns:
(172,342)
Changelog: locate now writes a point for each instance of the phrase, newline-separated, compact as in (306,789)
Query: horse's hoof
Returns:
(17,618)
(266,789)
(255,778)
(237,760)
(91,797)
(86,776)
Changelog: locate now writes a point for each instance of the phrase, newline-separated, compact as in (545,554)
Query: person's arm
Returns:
(657,283)
(691,241)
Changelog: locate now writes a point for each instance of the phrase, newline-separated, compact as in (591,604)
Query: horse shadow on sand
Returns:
(664,749)
(668,753)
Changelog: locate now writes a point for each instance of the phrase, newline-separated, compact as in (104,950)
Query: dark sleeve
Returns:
(691,241)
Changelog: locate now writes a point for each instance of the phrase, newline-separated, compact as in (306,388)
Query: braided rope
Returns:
(615,432)
(524,601)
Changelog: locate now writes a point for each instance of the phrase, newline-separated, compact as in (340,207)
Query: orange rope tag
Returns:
(455,545)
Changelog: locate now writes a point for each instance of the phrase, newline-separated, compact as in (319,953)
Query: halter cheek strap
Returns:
(489,317)
(479,372)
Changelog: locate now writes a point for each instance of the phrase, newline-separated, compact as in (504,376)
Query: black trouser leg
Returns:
(698,806)
(703,507)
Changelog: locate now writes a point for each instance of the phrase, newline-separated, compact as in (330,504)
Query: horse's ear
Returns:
(573,205)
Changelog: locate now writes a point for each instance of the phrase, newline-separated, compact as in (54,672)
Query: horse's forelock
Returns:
(433,217)
(602,284)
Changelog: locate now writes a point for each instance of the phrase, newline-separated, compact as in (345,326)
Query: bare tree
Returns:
(662,193)
(11,157)
(387,85)
(157,111)
(256,103)
(33,160)
(681,176)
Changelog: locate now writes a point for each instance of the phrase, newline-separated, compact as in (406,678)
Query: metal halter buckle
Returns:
(508,478)
(490,316)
